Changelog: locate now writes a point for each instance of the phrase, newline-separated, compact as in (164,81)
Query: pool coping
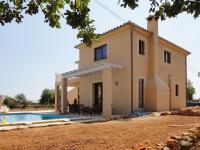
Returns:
(78,118)
(34,122)
(37,111)
(48,123)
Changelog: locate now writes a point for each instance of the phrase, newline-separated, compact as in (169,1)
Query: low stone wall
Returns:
(186,141)
(189,111)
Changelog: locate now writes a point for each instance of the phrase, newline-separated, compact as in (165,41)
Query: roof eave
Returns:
(128,24)
(172,44)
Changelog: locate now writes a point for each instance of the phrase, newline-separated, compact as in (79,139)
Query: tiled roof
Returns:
(120,26)
(139,27)
(127,23)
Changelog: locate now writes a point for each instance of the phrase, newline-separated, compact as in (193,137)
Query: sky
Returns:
(32,52)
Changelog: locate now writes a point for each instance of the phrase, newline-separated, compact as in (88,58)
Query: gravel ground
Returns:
(125,134)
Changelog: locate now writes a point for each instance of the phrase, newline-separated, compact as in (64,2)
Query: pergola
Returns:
(72,78)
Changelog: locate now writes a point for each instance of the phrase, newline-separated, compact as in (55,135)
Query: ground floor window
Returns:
(98,97)
(141,93)
(177,89)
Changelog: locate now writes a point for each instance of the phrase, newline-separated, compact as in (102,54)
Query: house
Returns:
(130,68)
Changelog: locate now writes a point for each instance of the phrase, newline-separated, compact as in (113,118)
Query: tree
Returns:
(76,12)
(190,90)
(10,102)
(21,100)
(47,97)
(168,8)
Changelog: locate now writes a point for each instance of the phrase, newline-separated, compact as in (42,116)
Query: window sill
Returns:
(100,59)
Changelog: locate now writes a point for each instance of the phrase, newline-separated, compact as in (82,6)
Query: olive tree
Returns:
(21,100)
(76,12)
(47,97)
(190,90)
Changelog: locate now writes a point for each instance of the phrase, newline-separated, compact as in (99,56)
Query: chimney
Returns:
(152,26)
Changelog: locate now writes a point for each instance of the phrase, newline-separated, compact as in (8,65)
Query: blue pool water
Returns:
(22,117)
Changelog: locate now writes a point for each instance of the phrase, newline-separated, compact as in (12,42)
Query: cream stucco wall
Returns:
(177,70)
(117,54)
(72,95)
(141,66)
(86,88)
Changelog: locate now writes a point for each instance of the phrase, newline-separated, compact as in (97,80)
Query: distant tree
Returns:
(21,100)
(190,90)
(76,12)
(47,97)
(10,102)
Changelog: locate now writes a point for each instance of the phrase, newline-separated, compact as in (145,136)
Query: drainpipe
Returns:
(131,38)
(170,92)
(186,80)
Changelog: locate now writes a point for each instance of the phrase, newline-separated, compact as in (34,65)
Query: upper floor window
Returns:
(177,90)
(141,47)
(100,52)
(167,57)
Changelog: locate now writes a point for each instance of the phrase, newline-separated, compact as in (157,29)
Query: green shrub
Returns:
(10,102)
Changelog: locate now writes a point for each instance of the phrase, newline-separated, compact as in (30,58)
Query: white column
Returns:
(56,97)
(64,99)
(107,92)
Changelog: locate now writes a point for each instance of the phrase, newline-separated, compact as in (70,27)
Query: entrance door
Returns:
(141,93)
(98,97)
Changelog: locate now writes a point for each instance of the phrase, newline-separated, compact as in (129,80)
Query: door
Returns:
(141,93)
(98,97)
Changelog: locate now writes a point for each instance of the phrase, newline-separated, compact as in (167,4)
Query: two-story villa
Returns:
(128,69)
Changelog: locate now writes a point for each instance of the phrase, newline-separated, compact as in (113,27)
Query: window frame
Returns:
(167,57)
(141,49)
(102,52)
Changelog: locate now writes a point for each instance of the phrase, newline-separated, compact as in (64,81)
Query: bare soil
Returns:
(126,134)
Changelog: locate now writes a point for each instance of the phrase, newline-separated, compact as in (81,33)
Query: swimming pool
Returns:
(25,117)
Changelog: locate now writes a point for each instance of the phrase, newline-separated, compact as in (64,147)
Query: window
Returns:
(100,52)
(177,90)
(167,57)
(141,47)
(141,93)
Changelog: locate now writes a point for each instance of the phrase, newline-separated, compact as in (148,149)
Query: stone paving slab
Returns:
(8,128)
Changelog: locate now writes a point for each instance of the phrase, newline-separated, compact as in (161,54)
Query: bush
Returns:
(10,102)
(21,100)
(47,97)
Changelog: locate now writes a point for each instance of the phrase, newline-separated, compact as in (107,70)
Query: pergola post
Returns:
(107,92)
(57,97)
(64,99)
